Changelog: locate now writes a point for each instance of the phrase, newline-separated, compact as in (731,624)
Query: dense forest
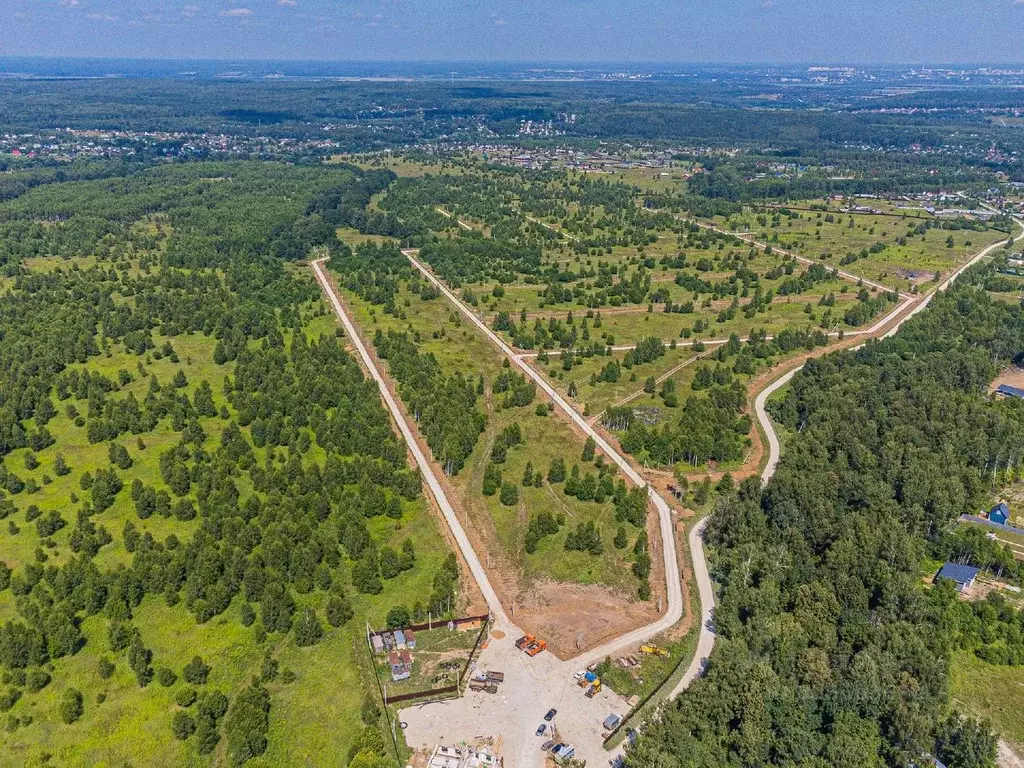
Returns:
(829,650)
(270,497)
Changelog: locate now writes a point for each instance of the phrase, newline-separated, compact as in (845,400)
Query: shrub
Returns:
(166,677)
(70,708)
(247,724)
(398,617)
(185,697)
(509,494)
(106,668)
(37,679)
(308,629)
(196,671)
(183,725)
(338,611)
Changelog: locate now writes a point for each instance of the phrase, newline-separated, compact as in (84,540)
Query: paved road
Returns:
(706,641)
(531,685)
(555,683)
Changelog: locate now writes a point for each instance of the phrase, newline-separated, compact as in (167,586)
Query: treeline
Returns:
(443,405)
(273,479)
(829,651)
(469,259)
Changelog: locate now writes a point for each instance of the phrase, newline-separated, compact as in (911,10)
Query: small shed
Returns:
(1009,391)
(377,644)
(401,665)
(962,575)
(612,721)
(399,638)
(1000,513)
(410,639)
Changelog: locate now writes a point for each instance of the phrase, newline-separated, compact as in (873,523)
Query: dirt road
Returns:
(532,685)
(493,604)
(665,515)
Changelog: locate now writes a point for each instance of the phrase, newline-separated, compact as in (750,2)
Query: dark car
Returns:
(551,715)
(541,728)
(547,745)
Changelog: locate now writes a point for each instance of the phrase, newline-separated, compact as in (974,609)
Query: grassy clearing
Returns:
(990,691)
(131,725)
(632,328)
(459,348)
(196,360)
(813,236)
(600,395)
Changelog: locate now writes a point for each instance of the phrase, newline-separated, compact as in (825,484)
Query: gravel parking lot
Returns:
(510,717)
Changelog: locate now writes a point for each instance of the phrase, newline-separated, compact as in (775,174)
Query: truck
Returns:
(536,647)
(587,679)
(524,641)
(594,689)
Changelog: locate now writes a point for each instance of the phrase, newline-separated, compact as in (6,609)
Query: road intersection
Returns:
(533,685)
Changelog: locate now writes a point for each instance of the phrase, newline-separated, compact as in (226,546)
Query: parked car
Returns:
(547,745)
(541,729)
(551,714)
(564,751)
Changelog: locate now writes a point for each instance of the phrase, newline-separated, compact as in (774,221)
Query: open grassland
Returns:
(459,348)
(908,258)
(124,724)
(990,691)
(624,329)
(19,548)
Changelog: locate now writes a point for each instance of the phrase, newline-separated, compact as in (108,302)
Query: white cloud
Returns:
(101,17)
(288,3)
(237,13)
(500,22)
(70,3)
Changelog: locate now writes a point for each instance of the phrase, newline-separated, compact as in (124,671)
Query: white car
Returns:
(564,752)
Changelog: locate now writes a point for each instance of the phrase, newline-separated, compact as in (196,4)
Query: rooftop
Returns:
(961,574)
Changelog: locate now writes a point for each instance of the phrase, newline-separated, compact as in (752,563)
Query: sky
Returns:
(711,31)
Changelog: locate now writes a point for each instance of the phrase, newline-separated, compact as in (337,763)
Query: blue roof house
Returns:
(962,575)
(1000,513)
(1009,391)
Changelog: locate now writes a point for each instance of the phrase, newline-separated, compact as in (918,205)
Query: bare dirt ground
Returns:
(1011,375)
(1007,758)
(510,717)
(570,617)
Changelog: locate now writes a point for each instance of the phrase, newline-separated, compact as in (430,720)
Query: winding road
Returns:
(557,678)
(665,515)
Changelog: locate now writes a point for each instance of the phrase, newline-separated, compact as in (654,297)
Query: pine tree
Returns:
(308,629)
